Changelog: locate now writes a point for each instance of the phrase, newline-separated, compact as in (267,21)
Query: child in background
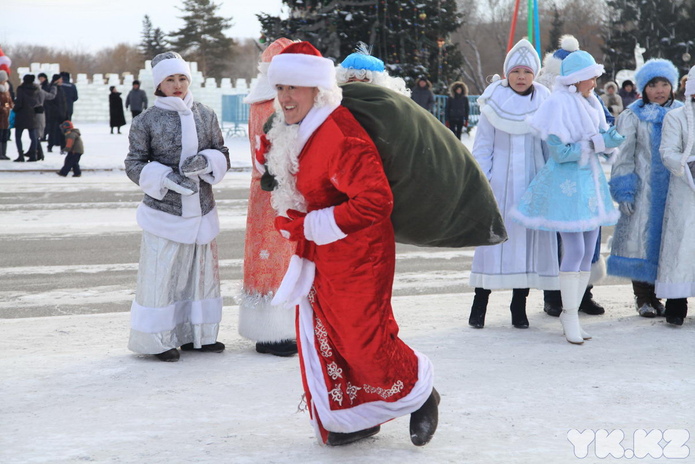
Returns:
(74,148)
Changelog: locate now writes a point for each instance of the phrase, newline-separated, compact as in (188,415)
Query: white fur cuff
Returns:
(218,163)
(599,144)
(321,228)
(152,179)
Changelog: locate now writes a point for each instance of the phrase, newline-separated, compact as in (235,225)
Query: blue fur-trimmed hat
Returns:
(656,67)
(577,67)
(362,61)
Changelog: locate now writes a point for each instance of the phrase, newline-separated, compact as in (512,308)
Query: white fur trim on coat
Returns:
(152,179)
(217,162)
(196,229)
(320,227)
(365,415)
(261,321)
(297,282)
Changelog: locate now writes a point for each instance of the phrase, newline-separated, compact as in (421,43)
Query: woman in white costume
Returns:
(510,155)
(676,275)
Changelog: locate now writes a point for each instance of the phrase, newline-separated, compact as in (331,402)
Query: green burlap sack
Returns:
(441,197)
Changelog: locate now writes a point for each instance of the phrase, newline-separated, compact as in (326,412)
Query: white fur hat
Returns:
(167,64)
(301,65)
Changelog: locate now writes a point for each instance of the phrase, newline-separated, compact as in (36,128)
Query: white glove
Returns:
(626,208)
(195,166)
(180,184)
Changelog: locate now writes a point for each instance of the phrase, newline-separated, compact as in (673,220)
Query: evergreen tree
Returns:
(202,37)
(556,31)
(411,37)
(153,40)
(662,27)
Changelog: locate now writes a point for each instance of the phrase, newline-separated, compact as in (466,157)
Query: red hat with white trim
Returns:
(302,65)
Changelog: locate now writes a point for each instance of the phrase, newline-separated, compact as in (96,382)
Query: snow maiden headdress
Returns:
(301,65)
(362,66)
(567,113)
(504,108)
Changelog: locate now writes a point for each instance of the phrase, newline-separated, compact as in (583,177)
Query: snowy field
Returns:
(71,392)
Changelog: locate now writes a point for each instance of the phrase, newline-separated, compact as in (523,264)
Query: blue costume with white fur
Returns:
(639,177)
(570,193)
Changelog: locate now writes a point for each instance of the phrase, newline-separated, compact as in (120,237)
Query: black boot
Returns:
(518,308)
(3,151)
(282,348)
(338,439)
(423,422)
(39,152)
(477,317)
(676,310)
(217,347)
(588,305)
(171,355)
(112,131)
(644,294)
(552,302)
(31,155)
(20,158)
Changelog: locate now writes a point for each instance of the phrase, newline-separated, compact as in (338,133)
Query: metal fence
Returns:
(235,113)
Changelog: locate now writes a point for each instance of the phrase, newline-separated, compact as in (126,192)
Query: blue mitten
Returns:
(611,138)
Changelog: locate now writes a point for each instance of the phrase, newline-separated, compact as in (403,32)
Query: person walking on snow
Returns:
(640,182)
(334,200)
(570,193)
(510,155)
(176,155)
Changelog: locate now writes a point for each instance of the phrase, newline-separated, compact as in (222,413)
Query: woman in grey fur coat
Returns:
(176,154)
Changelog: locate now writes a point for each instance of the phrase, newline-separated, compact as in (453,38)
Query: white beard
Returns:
(283,163)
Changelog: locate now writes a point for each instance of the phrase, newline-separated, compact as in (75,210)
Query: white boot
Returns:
(569,285)
(584,277)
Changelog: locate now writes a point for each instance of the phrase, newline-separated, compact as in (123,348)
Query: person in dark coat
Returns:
(25,118)
(456,109)
(136,99)
(116,114)
(628,93)
(56,113)
(6,105)
(70,92)
(423,95)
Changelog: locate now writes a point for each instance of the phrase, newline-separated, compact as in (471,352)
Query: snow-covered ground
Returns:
(70,391)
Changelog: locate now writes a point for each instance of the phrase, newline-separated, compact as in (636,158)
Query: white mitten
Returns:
(180,184)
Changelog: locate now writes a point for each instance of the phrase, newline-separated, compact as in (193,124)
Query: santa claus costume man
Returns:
(334,200)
